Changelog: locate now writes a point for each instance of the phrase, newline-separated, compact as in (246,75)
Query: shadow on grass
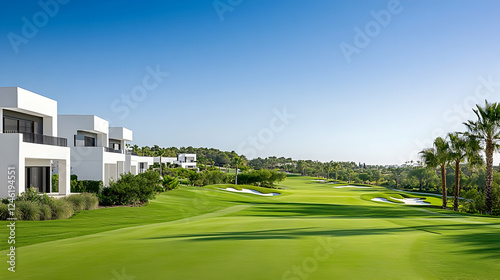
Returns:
(295,233)
(486,244)
(317,210)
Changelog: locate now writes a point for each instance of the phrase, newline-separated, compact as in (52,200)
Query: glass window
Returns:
(25,126)
(89,141)
(10,125)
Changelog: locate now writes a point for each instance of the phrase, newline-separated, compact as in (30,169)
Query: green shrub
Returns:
(62,209)
(55,183)
(76,201)
(4,212)
(30,210)
(170,183)
(86,186)
(131,189)
(45,212)
(90,201)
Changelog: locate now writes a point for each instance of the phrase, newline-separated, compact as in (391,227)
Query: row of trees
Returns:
(204,155)
(482,135)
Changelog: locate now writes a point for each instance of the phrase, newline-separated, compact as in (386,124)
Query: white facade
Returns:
(165,160)
(29,142)
(186,161)
(98,152)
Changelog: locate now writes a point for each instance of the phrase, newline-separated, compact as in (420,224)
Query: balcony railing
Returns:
(111,150)
(41,139)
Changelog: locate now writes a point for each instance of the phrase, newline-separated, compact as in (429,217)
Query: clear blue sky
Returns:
(227,77)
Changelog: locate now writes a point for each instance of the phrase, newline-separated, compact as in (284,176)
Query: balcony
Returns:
(111,150)
(41,139)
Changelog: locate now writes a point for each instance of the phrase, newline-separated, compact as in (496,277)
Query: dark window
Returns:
(89,141)
(26,126)
(10,124)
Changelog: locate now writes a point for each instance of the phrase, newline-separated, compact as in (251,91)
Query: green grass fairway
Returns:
(311,231)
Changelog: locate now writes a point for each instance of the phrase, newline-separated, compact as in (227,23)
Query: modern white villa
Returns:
(29,143)
(187,161)
(33,137)
(98,151)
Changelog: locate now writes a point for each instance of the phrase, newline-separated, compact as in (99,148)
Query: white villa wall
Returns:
(69,125)
(17,153)
(120,133)
(27,102)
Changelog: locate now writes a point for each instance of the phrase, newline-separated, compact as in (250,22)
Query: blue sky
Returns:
(227,76)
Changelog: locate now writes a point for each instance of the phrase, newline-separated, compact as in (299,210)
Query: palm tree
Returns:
(396,172)
(236,161)
(436,156)
(160,153)
(462,148)
(336,166)
(487,129)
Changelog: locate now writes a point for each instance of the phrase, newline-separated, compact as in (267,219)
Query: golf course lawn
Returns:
(311,231)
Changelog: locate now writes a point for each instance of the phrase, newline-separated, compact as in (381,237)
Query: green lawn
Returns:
(311,231)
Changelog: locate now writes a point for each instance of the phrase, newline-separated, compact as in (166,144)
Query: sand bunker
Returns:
(412,201)
(249,191)
(359,187)
(381,199)
(321,181)
(409,201)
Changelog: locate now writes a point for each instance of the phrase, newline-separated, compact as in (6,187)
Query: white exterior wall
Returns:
(27,102)
(19,154)
(69,125)
(186,160)
(165,160)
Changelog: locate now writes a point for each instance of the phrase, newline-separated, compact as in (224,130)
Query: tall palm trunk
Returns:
(457,185)
(236,177)
(489,175)
(161,171)
(443,185)
(336,171)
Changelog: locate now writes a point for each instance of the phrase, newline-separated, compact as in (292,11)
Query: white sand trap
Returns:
(358,187)
(381,199)
(412,201)
(322,181)
(409,201)
(249,191)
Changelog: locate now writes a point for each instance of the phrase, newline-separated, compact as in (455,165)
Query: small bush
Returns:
(62,209)
(86,186)
(4,212)
(170,183)
(76,201)
(131,189)
(90,201)
(30,210)
(45,212)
